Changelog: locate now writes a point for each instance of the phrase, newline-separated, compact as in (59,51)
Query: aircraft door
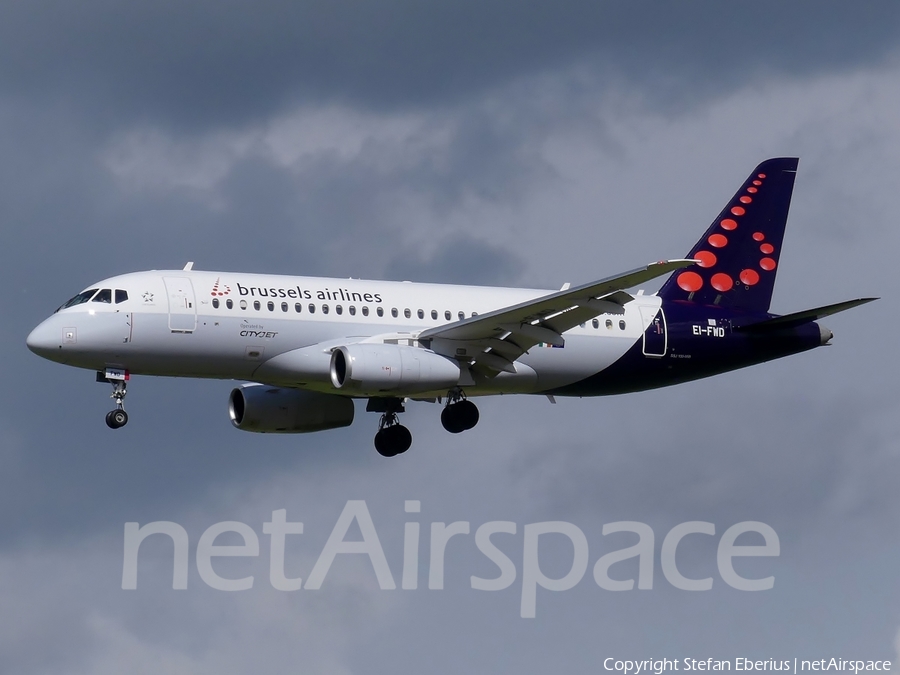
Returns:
(182,305)
(655,338)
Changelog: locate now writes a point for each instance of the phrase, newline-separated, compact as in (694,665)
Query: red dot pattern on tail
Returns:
(721,281)
(690,281)
(749,277)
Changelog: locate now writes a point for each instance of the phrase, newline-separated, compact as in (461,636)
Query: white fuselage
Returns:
(187,323)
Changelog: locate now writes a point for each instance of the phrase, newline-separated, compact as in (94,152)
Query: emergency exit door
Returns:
(654,331)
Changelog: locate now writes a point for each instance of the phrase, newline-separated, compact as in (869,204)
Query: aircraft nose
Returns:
(44,340)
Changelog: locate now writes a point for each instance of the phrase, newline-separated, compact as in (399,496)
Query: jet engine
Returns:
(265,409)
(369,368)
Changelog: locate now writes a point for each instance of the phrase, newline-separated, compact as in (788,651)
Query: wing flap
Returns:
(496,339)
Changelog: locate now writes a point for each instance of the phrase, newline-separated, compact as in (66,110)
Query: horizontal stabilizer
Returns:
(806,316)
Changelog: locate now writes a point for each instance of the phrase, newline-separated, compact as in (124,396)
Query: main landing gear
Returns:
(460,414)
(117,418)
(392,438)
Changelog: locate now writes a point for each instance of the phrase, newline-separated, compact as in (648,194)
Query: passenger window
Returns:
(216,303)
(105,295)
(447,315)
(609,323)
(121,296)
(421,314)
(581,325)
(338,309)
(243,304)
(229,303)
(312,308)
(298,307)
(474,313)
(379,311)
(595,323)
(621,325)
(256,305)
(324,309)
(284,307)
(461,315)
(352,310)
(407,313)
(393,312)
(365,310)
(271,306)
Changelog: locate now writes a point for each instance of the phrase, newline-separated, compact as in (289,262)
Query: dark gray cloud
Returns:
(458,260)
(205,64)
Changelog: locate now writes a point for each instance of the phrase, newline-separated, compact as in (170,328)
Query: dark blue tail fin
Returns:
(740,251)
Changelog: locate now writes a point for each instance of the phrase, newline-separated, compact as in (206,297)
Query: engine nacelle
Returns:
(265,409)
(370,368)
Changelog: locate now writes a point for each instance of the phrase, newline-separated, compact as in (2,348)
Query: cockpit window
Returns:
(84,296)
(121,296)
(105,295)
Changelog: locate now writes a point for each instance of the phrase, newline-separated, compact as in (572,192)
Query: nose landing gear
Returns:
(460,414)
(117,418)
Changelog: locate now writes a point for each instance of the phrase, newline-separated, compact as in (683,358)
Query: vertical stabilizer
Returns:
(739,253)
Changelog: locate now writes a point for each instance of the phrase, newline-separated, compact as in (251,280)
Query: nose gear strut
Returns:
(117,418)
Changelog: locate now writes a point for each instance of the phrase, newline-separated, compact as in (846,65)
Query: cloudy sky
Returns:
(481,142)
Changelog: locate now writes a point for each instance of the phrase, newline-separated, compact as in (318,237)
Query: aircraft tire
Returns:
(382,443)
(116,419)
(392,441)
(468,414)
(452,420)
(402,438)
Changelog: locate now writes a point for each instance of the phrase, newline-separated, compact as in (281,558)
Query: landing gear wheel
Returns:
(460,416)
(116,419)
(468,413)
(452,420)
(393,440)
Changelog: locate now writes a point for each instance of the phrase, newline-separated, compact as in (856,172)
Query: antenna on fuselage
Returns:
(189,266)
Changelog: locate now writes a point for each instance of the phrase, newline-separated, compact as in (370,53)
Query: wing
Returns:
(496,339)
